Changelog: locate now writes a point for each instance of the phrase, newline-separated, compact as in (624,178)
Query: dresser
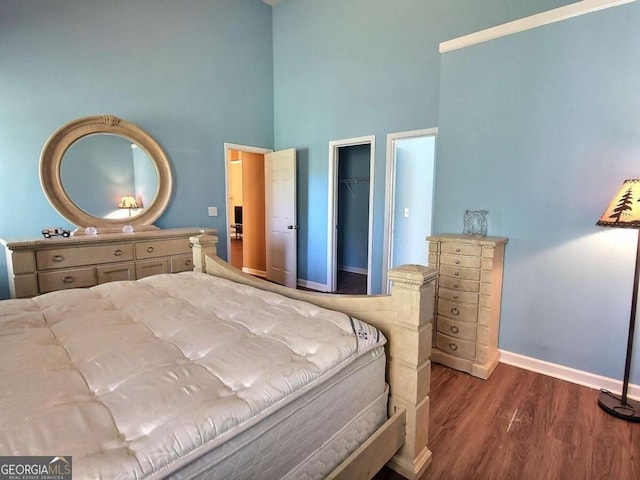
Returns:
(468,297)
(45,265)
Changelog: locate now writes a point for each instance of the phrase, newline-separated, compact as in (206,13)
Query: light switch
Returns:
(213,211)
(405,213)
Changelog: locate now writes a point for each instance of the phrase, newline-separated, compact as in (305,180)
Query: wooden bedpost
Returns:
(409,367)
(202,245)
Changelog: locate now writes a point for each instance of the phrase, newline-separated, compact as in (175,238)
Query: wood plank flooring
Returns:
(525,426)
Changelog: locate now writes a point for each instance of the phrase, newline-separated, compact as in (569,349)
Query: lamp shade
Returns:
(624,209)
(128,201)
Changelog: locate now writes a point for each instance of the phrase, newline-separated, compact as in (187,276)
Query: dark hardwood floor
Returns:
(351,283)
(524,426)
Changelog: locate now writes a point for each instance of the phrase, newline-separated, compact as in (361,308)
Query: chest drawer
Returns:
(162,248)
(462,249)
(458,284)
(462,273)
(460,261)
(63,279)
(455,346)
(465,297)
(87,255)
(458,311)
(462,330)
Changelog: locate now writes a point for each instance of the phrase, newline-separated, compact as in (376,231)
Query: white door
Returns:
(281,220)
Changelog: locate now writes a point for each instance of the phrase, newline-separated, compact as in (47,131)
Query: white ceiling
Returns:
(271,2)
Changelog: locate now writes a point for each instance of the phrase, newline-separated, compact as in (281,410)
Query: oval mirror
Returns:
(105,173)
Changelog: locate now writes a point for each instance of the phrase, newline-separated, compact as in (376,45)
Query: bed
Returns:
(216,374)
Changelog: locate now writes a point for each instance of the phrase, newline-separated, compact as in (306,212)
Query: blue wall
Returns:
(347,68)
(194,74)
(541,128)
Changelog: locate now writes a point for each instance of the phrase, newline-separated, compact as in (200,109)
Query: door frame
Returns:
(332,200)
(242,148)
(390,197)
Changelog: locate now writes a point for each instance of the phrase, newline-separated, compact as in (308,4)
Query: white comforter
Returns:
(133,379)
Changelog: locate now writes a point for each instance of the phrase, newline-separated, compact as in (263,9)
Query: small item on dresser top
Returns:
(127,229)
(91,231)
(55,232)
(475,223)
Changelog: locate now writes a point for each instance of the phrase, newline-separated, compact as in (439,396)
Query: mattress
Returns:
(138,379)
(308,438)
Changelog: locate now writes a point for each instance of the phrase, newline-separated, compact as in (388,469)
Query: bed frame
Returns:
(405,318)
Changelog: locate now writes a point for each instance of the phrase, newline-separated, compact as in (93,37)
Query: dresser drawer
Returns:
(461,249)
(181,263)
(465,297)
(455,346)
(91,255)
(457,310)
(460,261)
(457,284)
(461,330)
(162,248)
(115,272)
(462,273)
(63,279)
(147,268)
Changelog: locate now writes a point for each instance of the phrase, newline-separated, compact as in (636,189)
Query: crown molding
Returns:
(533,21)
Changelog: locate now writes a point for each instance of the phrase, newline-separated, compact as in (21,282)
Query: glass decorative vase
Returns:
(475,223)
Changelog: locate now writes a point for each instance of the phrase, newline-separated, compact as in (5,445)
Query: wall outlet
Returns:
(213,211)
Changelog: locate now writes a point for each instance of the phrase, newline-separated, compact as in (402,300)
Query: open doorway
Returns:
(245,208)
(261,212)
(409,198)
(351,170)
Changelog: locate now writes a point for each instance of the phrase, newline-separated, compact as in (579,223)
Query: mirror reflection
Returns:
(108,176)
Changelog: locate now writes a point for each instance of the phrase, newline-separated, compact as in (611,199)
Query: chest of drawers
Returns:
(45,265)
(468,297)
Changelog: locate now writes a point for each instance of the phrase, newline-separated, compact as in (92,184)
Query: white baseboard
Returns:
(569,374)
(360,270)
(321,287)
(254,272)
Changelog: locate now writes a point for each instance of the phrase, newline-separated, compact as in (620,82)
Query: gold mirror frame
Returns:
(51,180)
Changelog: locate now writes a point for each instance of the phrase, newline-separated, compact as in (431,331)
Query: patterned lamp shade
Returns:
(128,202)
(624,209)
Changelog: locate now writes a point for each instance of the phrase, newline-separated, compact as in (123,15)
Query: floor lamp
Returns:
(624,212)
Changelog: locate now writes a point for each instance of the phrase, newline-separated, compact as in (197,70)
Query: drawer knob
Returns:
(455,285)
(454,329)
(67,279)
(150,249)
(457,262)
(455,297)
(453,346)
(57,258)
(117,252)
(455,311)
(457,250)
(456,273)
(188,263)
